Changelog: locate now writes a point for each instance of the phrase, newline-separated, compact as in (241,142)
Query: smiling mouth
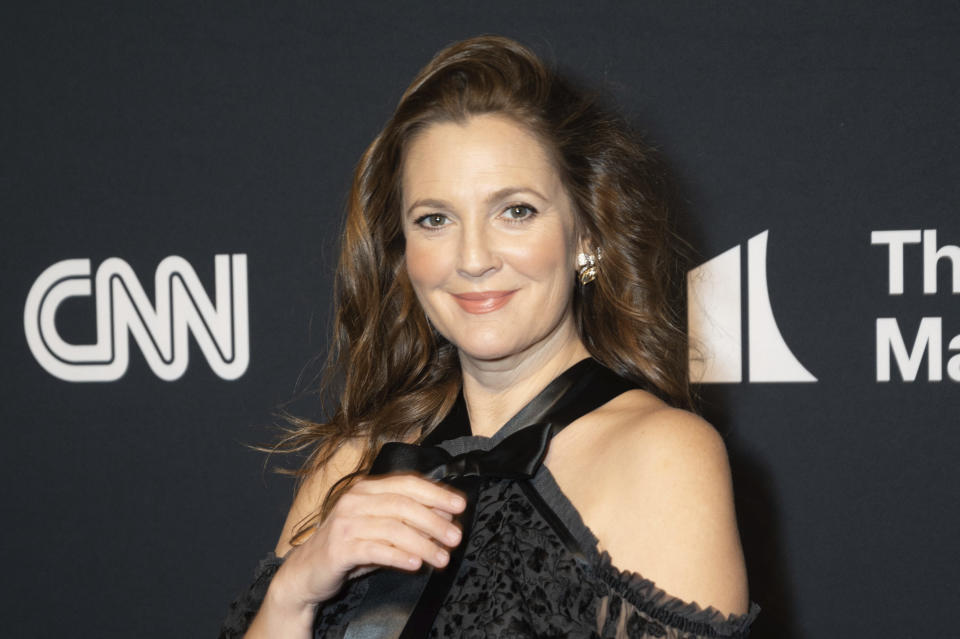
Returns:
(483,302)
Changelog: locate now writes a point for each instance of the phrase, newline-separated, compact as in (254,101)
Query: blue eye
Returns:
(519,212)
(432,220)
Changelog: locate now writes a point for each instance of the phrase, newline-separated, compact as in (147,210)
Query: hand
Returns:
(397,521)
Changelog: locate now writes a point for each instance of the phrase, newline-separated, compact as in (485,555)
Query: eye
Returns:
(519,212)
(432,221)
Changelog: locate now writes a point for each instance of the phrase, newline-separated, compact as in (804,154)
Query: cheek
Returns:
(425,267)
(549,258)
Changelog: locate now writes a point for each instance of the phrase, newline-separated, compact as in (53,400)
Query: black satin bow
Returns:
(516,457)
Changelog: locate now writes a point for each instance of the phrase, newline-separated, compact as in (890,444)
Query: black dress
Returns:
(529,566)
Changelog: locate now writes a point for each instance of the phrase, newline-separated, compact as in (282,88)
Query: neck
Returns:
(495,390)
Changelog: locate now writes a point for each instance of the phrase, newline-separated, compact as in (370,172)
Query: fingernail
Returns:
(453,535)
(457,501)
(442,556)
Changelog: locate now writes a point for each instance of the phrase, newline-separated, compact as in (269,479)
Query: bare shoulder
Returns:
(666,508)
(314,488)
(647,430)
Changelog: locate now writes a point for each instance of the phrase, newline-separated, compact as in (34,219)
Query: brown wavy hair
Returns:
(393,377)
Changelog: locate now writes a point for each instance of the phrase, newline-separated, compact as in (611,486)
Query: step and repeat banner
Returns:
(172,189)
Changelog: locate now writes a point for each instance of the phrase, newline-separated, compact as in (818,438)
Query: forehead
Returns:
(484,152)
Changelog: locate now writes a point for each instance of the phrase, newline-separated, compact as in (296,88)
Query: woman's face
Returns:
(490,237)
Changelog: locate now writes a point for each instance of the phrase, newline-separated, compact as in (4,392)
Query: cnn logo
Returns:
(161,329)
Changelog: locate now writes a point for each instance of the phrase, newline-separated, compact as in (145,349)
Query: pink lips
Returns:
(484,301)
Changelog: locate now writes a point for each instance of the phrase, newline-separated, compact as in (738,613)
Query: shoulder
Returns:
(313,489)
(647,435)
(658,441)
(664,452)
(665,509)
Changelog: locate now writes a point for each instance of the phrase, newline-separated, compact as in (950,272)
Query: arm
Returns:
(396,521)
(671,516)
(272,619)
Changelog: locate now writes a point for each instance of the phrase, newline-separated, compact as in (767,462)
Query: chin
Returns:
(487,350)
(489,354)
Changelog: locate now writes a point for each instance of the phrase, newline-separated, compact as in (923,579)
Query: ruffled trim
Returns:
(270,562)
(644,595)
(243,609)
(639,591)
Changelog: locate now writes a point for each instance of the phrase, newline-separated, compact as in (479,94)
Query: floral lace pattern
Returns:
(518,580)
(244,608)
(531,566)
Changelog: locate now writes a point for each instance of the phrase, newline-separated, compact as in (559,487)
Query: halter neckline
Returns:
(562,400)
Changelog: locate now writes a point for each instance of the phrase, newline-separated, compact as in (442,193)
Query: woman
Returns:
(503,301)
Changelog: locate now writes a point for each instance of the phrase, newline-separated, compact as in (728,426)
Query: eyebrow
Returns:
(499,194)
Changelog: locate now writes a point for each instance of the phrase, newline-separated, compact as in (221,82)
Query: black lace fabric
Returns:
(244,608)
(531,566)
(518,579)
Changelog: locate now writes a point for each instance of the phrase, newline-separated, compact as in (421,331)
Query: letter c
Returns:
(67,278)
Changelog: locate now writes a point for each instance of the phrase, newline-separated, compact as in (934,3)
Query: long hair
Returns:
(391,375)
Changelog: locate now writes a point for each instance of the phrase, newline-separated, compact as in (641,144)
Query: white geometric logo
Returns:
(714,321)
(161,331)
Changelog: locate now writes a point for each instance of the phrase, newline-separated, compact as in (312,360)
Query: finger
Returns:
(428,493)
(385,530)
(383,554)
(442,513)
(360,571)
(411,512)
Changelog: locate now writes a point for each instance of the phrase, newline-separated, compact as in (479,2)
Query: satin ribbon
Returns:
(516,457)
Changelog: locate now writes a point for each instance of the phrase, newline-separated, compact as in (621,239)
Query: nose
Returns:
(478,256)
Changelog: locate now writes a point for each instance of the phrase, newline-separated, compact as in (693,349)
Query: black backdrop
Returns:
(134,131)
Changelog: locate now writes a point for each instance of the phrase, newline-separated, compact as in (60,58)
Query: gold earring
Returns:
(588,265)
